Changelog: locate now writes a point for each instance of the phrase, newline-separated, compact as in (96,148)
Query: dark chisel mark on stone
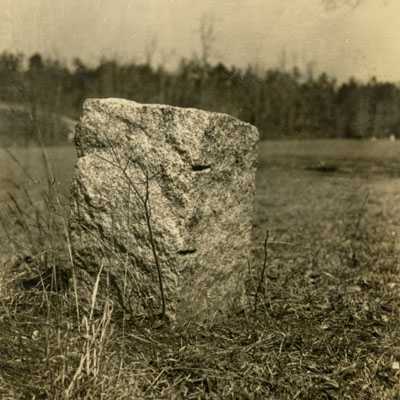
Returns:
(200,168)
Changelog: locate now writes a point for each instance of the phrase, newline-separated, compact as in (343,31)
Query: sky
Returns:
(343,41)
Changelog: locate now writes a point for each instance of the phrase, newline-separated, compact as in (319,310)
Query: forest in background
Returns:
(281,104)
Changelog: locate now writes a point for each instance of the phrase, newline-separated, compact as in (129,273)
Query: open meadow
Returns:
(323,290)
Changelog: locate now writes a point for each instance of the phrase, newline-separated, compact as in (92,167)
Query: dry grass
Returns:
(327,319)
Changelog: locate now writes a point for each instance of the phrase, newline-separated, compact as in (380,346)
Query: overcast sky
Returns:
(361,42)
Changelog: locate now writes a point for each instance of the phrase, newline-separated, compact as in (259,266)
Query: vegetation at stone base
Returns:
(327,322)
(281,103)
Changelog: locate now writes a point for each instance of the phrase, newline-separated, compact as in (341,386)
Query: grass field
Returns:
(327,322)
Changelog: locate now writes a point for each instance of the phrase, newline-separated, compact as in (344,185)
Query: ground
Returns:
(322,323)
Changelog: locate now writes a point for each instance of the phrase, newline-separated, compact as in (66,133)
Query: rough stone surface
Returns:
(184,177)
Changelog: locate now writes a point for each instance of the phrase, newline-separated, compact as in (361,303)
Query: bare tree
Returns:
(207,37)
(150,50)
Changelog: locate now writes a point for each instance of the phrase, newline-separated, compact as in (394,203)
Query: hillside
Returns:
(17,126)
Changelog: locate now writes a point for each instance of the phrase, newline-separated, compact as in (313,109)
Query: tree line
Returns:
(280,103)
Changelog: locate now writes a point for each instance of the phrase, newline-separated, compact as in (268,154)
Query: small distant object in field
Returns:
(392,138)
(323,167)
(71,136)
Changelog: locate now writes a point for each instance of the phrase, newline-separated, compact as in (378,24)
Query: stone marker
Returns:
(162,196)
